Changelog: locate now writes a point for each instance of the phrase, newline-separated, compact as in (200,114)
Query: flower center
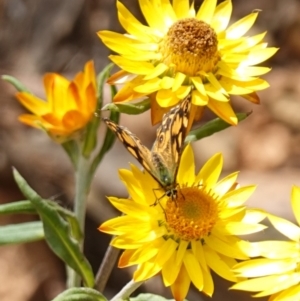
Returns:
(191,46)
(192,214)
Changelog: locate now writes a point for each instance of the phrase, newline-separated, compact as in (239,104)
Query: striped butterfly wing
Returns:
(170,141)
(163,160)
(134,146)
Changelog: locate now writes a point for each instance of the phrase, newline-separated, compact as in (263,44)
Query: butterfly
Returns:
(162,161)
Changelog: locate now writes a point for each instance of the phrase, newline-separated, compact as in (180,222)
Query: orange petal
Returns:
(181,285)
(253,97)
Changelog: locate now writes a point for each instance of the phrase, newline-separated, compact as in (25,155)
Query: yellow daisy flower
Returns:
(279,271)
(184,51)
(69,107)
(188,235)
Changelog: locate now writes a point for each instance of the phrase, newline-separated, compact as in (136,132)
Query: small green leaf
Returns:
(57,233)
(16,83)
(128,108)
(80,294)
(211,127)
(17,207)
(20,233)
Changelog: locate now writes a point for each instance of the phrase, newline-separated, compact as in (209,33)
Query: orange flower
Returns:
(69,107)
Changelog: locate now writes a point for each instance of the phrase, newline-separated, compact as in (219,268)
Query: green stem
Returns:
(127,290)
(82,188)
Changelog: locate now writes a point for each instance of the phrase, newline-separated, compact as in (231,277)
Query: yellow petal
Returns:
(125,44)
(286,227)
(238,196)
(146,271)
(153,15)
(133,26)
(128,207)
(234,87)
(223,110)
(35,121)
(186,170)
(183,92)
(208,282)
(166,98)
(56,89)
(197,81)
(258,56)
(170,270)
(281,283)
(181,251)
(254,216)
(32,103)
(276,249)
(225,184)
(290,294)
(168,12)
(206,11)
(215,83)
(222,16)
(197,250)
(178,81)
(132,185)
(237,228)
(181,286)
(165,251)
(149,87)
(167,82)
(158,70)
(141,68)
(270,284)
(295,200)
(215,93)
(215,262)
(181,8)
(211,171)
(240,27)
(193,269)
(230,250)
(263,267)
(199,99)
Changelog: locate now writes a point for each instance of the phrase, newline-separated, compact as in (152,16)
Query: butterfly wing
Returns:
(133,144)
(169,143)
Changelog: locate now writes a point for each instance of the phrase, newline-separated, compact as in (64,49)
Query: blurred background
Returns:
(39,36)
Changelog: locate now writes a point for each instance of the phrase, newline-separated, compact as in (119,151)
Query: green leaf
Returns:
(20,233)
(90,141)
(211,127)
(16,83)
(128,108)
(80,294)
(71,218)
(17,207)
(57,233)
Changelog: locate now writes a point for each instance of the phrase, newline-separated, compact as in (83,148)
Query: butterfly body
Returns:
(163,160)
